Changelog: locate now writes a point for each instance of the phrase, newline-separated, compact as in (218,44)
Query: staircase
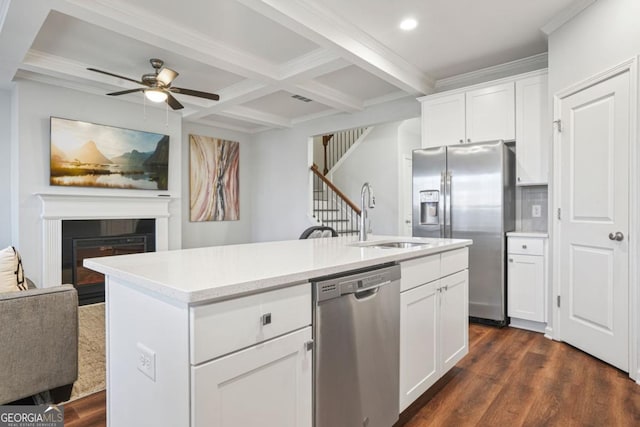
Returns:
(331,207)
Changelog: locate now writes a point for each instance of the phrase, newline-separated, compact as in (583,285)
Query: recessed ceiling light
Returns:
(408,24)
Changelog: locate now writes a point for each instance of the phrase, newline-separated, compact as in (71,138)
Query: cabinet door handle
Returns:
(518,179)
(308,346)
(266,319)
(524,246)
(462,141)
(510,259)
(468,139)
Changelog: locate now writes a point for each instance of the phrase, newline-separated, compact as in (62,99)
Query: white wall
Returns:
(602,36)
(5,169)
(213,233)
(374,160)
(33,104)
(281,188)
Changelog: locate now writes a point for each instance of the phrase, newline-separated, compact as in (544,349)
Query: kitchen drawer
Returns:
(454,261)
(525,246)
(418,271)
(223,327)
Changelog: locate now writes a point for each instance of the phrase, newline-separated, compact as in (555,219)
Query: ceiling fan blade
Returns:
(173,103)
(115,75)
(167,75)
(124,92)
(207,95)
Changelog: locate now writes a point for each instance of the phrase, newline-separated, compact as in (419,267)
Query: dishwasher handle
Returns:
(366,294)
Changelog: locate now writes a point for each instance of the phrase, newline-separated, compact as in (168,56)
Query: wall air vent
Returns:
(301,98)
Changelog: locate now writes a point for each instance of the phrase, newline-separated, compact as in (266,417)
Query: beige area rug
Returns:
(91,351)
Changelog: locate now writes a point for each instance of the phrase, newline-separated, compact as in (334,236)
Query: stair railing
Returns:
(334,209)
(336,144)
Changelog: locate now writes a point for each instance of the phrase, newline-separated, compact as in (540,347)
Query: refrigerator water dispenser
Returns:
(429,200)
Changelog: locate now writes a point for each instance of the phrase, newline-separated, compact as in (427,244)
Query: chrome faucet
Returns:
(371,202)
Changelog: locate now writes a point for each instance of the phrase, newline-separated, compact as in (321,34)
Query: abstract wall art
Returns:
(91,155)
(214,179)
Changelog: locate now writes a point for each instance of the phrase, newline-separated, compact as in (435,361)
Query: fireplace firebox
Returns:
(97,238)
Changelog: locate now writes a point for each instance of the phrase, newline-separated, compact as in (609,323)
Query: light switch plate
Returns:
(536,211)
(146,361)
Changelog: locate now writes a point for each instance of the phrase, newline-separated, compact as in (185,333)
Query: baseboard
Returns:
(548,332)
(528,325)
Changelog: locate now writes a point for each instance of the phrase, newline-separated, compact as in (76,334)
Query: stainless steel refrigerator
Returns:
(467,191)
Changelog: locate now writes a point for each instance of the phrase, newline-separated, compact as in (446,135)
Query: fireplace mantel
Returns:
(59,207)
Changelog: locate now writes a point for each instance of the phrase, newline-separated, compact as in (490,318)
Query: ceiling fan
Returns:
(158,85)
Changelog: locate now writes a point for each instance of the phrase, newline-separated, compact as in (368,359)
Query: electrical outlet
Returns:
(536,211)
(146,361)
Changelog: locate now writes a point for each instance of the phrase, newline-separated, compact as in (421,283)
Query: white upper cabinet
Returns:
(482,114)
(533,130)
(443,121)
(515,108)
(490,113)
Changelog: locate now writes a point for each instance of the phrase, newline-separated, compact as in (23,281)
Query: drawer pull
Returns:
(510,259)
(524,246)
(266,319)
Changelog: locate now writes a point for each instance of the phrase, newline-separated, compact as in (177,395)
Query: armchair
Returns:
(38,342)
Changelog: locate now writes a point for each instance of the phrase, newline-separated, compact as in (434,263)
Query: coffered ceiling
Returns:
(342,55)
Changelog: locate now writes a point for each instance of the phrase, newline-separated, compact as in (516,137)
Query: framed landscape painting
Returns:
(213,184)
(91,155)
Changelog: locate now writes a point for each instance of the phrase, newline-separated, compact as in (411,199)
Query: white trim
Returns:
(629,65)
(509,69)
(509,79)
(59,207)
(566,15)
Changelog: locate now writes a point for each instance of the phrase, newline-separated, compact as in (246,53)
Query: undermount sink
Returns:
(392,245)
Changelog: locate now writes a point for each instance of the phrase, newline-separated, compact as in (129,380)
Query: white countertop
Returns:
(539,235)
(220,272)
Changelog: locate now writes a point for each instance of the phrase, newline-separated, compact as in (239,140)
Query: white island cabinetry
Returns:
(434,320)
(222,336)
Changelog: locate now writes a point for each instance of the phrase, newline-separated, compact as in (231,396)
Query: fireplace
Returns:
(149,216)
(96,238)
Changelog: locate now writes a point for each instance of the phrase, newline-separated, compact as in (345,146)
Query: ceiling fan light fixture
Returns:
(155,95)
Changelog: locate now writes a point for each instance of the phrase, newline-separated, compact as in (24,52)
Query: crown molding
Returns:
(519,66)
(566,15)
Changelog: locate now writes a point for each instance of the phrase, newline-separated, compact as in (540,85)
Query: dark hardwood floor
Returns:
(509,378)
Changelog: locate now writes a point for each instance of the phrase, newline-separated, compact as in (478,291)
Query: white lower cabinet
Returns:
(267,385)
(526,296)
(526,282)
(434,333)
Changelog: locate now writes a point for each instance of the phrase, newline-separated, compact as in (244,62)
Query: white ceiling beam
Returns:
(331,31)
(312,65)
(223,125)
(256,116)
(239,93)
(20,22)
(328,96)
(137,23)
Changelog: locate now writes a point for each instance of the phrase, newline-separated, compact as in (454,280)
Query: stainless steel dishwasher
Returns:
(356,359)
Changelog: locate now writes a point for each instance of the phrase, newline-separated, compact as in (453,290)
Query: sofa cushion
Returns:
(11,272)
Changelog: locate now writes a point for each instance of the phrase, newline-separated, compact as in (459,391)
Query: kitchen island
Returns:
(221,335)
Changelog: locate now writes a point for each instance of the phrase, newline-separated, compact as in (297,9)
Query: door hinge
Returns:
(558,124)
(559,213)
(558,300)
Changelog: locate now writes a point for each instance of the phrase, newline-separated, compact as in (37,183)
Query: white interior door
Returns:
(594,192)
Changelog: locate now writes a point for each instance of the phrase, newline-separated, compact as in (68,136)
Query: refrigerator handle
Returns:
(447,207)
(441,208)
